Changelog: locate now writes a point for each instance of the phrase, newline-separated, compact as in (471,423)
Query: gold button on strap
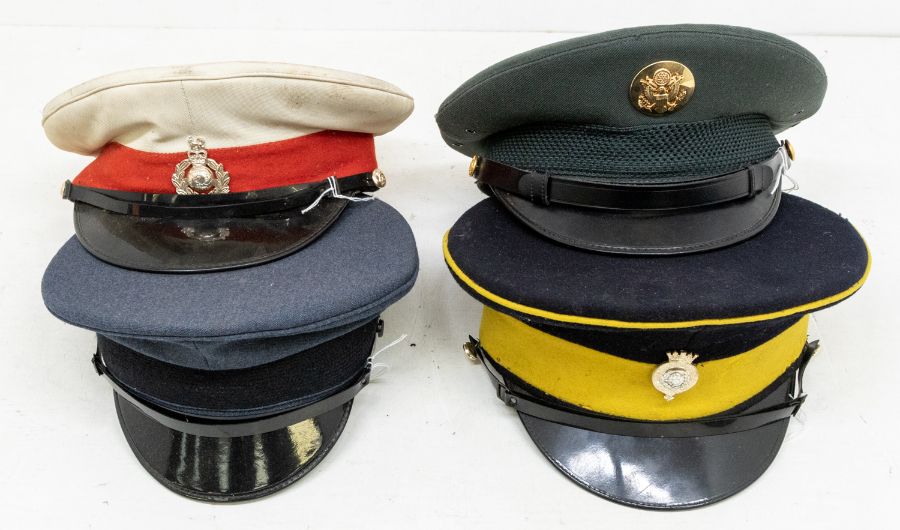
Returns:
(474,165)
(789,147)
(469,350)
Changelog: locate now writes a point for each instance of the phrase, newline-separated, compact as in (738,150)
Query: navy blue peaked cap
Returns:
(808,258)
(231,385)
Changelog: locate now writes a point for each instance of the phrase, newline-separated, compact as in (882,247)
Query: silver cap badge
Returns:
(203,175)
(676,376)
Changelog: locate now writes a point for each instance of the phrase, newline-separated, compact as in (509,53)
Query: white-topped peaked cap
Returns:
(230,104)
(230,128)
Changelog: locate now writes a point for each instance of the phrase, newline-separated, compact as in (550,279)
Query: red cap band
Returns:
(309,158)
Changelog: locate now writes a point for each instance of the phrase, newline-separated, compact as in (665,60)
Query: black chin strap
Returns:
(225,205)
(645,429)
(218,427)
(547,189)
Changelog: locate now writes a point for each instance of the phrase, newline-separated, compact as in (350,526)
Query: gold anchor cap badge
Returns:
(662,87)
(676,376)
(205,176)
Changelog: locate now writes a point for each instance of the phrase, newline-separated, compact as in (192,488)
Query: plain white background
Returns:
(428,446)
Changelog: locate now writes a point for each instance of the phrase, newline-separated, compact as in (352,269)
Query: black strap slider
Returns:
(761,177)
(535,186)
(755,181)
(798,402)
(506,397)
(98,364)
(809,349)
(66,190)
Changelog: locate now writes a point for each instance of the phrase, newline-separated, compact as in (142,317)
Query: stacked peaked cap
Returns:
(646,284)
(231,260)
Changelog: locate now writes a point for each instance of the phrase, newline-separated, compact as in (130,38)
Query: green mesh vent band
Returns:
(645,154)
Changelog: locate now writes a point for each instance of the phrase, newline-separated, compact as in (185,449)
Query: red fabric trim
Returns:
(309,158)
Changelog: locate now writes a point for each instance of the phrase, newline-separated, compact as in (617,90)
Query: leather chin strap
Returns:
(731,423)
(218,427)
(546,189)
(217,206)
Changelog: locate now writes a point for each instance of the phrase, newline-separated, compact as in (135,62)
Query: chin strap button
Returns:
(471,351)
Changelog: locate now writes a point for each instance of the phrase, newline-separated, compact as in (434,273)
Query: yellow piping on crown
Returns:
(594,321)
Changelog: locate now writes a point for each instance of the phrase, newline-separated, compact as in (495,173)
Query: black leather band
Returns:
(542,188)
(218,427)
(215,206)
(647,429)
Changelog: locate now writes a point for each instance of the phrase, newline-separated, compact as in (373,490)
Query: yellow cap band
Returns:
(611,385)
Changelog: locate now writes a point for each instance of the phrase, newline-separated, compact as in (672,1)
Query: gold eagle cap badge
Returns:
(662,87)
(198,174)
(676,376)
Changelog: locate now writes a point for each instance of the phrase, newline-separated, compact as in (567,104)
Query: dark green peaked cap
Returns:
(586,80)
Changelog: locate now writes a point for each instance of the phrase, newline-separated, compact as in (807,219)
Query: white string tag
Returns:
(783,173)
(794,185)
(335,192)
(378,369)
